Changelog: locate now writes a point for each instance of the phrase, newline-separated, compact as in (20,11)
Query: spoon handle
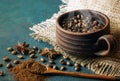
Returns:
(85,75)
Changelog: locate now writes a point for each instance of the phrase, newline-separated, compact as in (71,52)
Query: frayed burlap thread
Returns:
(109,65)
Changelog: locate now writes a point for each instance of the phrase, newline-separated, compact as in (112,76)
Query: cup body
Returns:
(80,43)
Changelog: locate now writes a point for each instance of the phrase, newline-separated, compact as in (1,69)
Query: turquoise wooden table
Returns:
(16,16)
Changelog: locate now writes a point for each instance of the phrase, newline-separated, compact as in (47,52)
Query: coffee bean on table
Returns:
(77,68)
(69,63)
(16,61)
(1,73)
(42,60)
(14,52)
(62,61)
(62,68)
(51,61)
(31,51)
(55,67)
(49,65)
(6,59)
(20,57)
(9,65)
(76,65)
(10,49)
(65,57)
(32,56)
(1,64)
(35,47)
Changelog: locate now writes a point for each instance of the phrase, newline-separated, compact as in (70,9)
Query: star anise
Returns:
(50,53)
(23,47)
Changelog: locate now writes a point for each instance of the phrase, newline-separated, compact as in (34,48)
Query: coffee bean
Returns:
(16,61)
(77,68)
(20,57)
(10,49)
(65,57)
(69,63)
(1,73)
(32,56)
(55,67)
(42,60)
(14,52)
(62,61)
(76,65)
(62,68)
(31,51)
(35,47)
(1,64)
(9,65)
(6,58)
(51,61)
(26,45)
(78,16)
(49,65)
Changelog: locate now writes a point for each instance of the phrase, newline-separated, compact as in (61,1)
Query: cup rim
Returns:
(107,20)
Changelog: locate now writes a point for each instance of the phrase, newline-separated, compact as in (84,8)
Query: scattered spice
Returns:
(50,53)
(29,70)
(23,47)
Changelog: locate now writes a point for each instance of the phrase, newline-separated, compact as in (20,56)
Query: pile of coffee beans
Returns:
(81,24)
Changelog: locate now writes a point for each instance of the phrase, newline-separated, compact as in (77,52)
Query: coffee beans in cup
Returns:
(82,24)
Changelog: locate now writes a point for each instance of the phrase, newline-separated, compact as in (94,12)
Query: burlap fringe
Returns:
(104,65)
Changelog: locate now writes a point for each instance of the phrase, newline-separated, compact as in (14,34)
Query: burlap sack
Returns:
(109,65)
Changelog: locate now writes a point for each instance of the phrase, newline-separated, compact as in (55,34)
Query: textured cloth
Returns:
(109,65)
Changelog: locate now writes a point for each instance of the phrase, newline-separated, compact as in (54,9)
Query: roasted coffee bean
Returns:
(6,58)
(9,65)
(10,49)
(51,61)
(62,61)
(14,52)
(76,65)
(26,45)
(35,47)
(78,16)
(1,64)
(69,63)
(20,57)
(32,56)
(16,61)
(39,51)
(55,67)
(49,65)
(42,60)
(62,68)
(31,51)
(77,68)
(1,73)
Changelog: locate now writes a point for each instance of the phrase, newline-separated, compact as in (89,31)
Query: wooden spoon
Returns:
(78,74)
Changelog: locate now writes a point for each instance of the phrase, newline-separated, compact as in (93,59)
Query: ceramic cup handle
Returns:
(105,44)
